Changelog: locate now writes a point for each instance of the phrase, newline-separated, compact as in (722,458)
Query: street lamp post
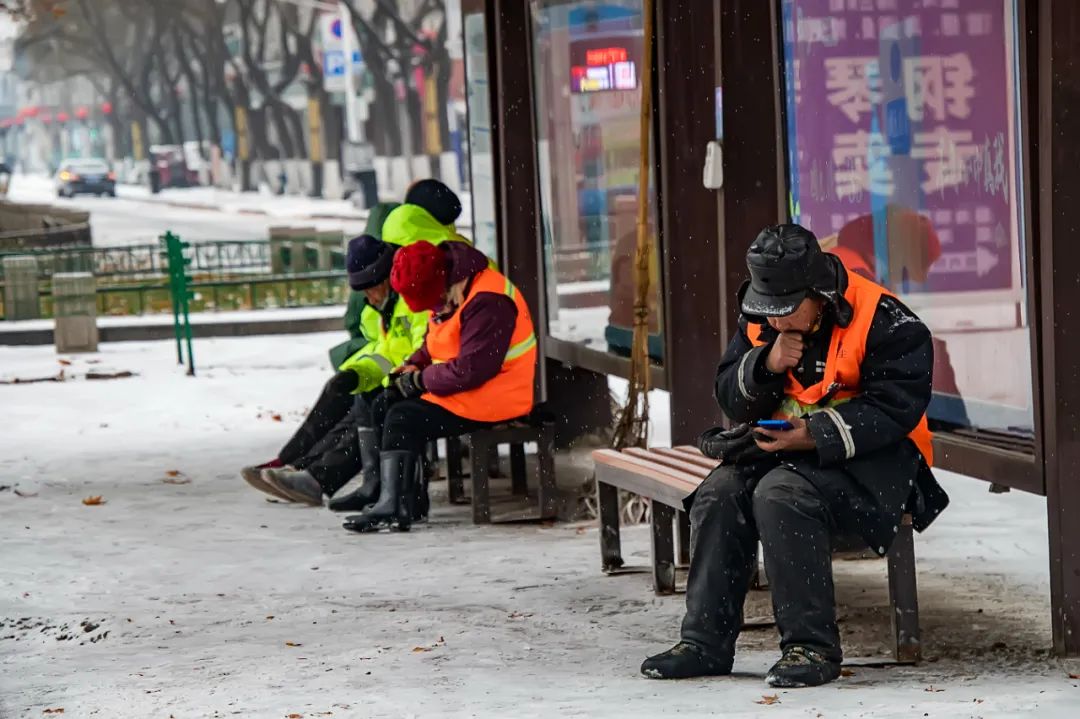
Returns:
(353,128)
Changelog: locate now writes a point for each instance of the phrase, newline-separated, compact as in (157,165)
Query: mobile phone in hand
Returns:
(777,425)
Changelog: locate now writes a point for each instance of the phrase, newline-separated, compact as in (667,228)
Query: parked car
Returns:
(88,176)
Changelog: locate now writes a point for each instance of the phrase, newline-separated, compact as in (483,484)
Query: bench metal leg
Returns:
(494,469)
(481,494)
(903,595)
(682,530)
(607,497)
(663,548)
(519,481)
(545,462)
(455,476)
(758,580)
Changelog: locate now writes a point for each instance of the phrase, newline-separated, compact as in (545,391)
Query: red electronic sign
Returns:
(605,56)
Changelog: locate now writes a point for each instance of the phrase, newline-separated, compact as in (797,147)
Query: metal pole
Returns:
(354,132)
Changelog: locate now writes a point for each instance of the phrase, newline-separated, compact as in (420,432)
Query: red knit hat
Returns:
(419,275)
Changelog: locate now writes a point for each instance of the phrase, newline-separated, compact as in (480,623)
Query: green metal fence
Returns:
(254,293)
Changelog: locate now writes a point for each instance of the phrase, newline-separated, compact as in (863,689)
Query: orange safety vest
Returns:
(509,394)
(843,364)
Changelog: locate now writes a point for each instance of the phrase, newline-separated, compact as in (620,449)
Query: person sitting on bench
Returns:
(476,367)
(324,454)
(848,368)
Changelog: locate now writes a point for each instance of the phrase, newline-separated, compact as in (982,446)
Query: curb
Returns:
(159,331)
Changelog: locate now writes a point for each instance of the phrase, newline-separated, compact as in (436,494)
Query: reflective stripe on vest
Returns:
(841,380)
(509,394)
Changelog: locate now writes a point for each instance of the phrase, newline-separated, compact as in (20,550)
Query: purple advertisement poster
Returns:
(901,138)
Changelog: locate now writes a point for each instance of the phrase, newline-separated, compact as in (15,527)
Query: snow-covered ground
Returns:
(186,594)
(40,188)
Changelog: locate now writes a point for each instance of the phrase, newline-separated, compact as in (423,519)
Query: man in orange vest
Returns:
(846,368)
(476,367)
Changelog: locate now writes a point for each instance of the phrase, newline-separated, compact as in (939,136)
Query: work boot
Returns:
(368,491)
(297,485)
(802,667)
(397,495)
(684,661)
(253,476)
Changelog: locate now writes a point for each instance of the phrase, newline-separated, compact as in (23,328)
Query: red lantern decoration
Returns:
(62,117)
(106,108)
(82,113)
(31,111)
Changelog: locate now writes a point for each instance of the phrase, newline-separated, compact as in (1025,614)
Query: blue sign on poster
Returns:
(898,126)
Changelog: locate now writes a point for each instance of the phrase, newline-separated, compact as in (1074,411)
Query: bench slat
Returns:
(696,458)
(665,485)
(678,463)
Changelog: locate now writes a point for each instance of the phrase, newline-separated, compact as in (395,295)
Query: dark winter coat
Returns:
(885,474)
(487,325)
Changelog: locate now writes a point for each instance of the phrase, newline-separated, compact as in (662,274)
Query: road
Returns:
(129,220)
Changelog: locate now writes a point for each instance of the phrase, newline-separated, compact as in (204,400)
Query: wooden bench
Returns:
(484,445)
(668,476)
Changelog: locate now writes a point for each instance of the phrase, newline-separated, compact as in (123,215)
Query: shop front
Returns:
(928,143)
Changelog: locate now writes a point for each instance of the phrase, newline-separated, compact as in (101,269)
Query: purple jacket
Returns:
(487,325)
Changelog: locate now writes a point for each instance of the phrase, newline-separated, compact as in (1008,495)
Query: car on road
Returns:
(86,176)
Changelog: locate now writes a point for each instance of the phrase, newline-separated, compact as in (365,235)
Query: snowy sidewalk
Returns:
(186,594)
(40,188)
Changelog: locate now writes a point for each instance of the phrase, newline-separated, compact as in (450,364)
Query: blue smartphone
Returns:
(778,425)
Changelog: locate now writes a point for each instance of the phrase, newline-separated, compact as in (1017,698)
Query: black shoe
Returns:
(802,667)
(397,495)
(368,492)
(683,661)
(296,484)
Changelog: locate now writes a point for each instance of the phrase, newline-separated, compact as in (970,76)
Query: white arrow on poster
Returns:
(981,261)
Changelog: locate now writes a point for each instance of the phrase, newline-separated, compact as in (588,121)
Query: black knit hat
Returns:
(786,265)
(368,262)
(437,199)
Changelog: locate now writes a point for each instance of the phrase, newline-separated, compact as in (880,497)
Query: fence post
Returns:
(21,300)
(75,312)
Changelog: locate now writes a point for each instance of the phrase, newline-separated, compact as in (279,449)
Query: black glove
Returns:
(731,446)
(410,384)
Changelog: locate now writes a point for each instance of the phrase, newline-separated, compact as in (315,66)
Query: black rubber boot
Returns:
(368,492)
(397,495)
(802,667)
(685,661)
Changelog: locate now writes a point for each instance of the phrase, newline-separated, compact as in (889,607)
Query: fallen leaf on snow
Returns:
(932,689)
(177,480)
(276,417)
(430,647)
(172,473)
(66,363)
(93,501)
(293,716)
(293,644)
(1071,676)
(846,673)
(768,699)
(57,710)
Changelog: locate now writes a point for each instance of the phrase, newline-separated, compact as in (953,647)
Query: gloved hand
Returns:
(731,446)
(410,384)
